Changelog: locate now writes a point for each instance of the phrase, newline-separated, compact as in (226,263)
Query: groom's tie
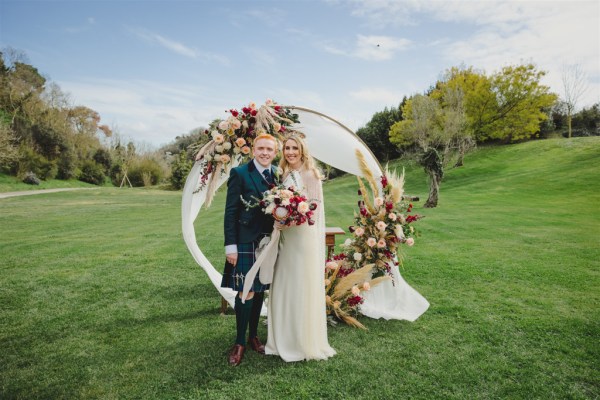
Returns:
(267,175)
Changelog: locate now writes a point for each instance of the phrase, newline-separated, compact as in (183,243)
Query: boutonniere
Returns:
(277,174)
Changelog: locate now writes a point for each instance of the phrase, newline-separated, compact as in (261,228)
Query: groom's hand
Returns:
(232,258)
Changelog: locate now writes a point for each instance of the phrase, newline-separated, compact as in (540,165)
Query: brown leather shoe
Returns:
(256,345)
(236,354)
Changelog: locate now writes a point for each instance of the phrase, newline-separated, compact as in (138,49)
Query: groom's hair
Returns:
(268,137)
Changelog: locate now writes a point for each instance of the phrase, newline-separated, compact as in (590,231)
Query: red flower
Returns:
(384,181)
(354,301)
(234,112)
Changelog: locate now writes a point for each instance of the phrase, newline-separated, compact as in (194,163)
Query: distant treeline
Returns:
(44,136)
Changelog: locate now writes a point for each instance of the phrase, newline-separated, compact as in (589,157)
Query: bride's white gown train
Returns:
(297,323)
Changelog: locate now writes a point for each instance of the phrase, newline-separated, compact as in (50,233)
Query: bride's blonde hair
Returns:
(308,162)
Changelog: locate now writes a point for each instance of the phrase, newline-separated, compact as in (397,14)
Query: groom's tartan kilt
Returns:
(233,277)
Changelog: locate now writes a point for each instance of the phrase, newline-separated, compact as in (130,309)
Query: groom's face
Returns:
(264,151)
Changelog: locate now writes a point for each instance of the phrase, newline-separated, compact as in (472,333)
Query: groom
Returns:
(244,228)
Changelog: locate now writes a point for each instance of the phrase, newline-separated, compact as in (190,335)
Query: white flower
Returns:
(285,202)
(270,208)
(208,157)
(399,231)
(392,216)
(217,157)
(236,150)
(223,125)
(357,256)
(371,242)
(348,242)
(214,133)
(219,148)
(359,231)
(269,102)
(303,207)
(227,145)
(245,124)
(378,201)
(234,123)
(331,265)
(381,225)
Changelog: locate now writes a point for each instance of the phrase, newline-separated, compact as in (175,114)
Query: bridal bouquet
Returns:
(288,206)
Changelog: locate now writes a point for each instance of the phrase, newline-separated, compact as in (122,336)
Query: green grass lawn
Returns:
(13,184)
(100,298)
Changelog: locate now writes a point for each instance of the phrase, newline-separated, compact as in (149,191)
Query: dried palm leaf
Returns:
(353,322)
(378,280)
(345,284)
(397,184)
(365,196)
(367,174)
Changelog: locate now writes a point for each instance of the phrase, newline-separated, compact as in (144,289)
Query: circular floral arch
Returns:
(330,142)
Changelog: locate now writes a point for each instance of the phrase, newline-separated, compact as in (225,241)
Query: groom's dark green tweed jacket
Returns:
(241,225)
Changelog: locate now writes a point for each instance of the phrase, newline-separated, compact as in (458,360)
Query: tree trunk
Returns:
(569,119)
(434,189)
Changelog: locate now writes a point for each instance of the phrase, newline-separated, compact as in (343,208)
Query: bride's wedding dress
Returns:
(297,323)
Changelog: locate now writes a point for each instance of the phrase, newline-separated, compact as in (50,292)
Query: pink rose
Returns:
(366,286)
(331,265)
(371,242)
(245,150)
(381,243)
(410,241)
(381,225)
(378,201)
(355,290)
(218,138)
(225,158)
(240,142)
(359,231)
(392,216)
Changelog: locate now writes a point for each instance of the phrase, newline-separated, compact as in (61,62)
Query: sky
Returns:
(156,69)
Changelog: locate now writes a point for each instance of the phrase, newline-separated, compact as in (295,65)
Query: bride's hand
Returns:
(278,226)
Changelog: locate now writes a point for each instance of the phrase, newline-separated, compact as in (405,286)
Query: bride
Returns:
(297,324)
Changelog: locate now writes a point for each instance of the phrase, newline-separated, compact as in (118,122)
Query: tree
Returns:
(8,150)
(508,106)
(574,83)
(376,133)
(423,128)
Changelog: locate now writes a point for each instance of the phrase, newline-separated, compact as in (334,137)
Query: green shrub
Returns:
(92,172)
(148,167)
(180,168)
(30,161)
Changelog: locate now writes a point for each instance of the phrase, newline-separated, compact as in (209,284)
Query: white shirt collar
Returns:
(259,167)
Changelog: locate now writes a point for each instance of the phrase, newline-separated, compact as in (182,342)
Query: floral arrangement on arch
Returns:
(382,224)
(231,139)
